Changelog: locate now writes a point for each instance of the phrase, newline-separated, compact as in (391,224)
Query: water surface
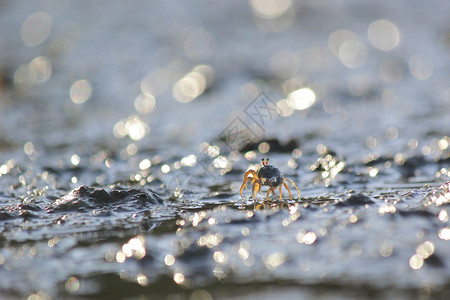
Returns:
(125,130)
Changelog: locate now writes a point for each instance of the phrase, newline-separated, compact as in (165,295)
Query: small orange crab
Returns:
(269,176)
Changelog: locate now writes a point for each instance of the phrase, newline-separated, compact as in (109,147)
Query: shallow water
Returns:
(125,131)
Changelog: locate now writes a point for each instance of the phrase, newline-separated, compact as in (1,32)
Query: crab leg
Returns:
(287,188)
(256,189)
(245,186)
(251,179)
(253,172)
(246,177)
(298,191)
(273,192)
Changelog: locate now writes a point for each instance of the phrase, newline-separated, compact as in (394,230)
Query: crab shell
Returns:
(270,176)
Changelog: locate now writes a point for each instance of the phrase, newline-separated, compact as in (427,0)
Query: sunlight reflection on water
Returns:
(100,106)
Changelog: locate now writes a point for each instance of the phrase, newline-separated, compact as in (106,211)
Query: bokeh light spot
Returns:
(142,279)
(165,168)
(416,262)
(134,127)
(36,28)
(301,99)
(220,257)
(145,164)
(39,70)
(178,278)
(22,77)
(284,109)
(443,216)
(135,247)
(270,8)
(444,233)
(189,160)
(352,53)
(339,37)
(193,84)
(274,260)
(264,147)
(75,159)
(80,91)
(384,35)
(169,260)
(144,103)
(307,238)
(386,249)
(188,88)
(72,284)
(421,67)
(425,250)
(28,148)
(345,45)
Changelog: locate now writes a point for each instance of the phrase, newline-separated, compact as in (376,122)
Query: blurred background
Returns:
(141,93)
(147,73)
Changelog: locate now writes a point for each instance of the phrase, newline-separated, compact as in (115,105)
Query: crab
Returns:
(270,176)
